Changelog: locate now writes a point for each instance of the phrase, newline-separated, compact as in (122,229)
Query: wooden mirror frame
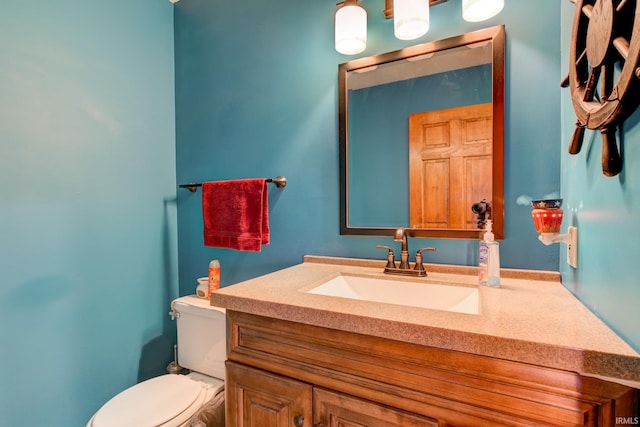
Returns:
(496,35)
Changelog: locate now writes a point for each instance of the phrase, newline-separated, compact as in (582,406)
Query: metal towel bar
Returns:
(279,181)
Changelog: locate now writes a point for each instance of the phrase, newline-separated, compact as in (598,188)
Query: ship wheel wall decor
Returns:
(603,72)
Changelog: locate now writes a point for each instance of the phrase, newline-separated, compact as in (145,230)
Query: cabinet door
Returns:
(255,398)
(332,410)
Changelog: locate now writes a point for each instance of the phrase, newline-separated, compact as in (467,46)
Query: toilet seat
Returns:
(167,401)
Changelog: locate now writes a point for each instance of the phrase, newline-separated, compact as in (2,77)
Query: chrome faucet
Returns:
(404,268)
(401,236)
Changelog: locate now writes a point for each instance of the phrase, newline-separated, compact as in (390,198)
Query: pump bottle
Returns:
(489,259)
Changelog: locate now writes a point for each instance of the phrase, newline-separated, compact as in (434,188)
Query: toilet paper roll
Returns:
(203,287)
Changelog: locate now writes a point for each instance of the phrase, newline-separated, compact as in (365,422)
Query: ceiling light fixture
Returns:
(410,20)
(350,28)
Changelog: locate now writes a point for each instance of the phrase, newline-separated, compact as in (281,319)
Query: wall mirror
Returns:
(422,136)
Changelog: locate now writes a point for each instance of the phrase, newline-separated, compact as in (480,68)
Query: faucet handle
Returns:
(391,262)
(419,251)
(419,265)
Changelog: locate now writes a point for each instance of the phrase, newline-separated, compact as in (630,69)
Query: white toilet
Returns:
(171,400)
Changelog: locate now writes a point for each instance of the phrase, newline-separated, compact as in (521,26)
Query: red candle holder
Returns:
(547,215)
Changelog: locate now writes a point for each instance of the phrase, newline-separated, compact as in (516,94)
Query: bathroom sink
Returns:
(413,293)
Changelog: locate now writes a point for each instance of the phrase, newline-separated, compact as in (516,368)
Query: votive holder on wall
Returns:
(547,217)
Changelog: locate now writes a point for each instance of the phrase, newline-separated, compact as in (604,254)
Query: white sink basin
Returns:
(413,293)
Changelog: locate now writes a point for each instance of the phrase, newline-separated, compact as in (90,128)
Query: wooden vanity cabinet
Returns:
(263,399)
(282,373)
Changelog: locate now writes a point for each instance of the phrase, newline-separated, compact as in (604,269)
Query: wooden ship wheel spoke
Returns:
(603,72)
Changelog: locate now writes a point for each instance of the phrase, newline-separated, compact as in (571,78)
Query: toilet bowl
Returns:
(171,400)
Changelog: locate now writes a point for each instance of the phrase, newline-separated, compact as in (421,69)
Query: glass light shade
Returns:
(351,29)
(410,18)
(479,10)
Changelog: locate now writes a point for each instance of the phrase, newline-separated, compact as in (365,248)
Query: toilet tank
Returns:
(202,336)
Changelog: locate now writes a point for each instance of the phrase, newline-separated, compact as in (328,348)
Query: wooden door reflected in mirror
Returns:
(450,154)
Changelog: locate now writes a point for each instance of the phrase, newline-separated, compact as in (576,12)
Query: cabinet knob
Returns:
(298,420)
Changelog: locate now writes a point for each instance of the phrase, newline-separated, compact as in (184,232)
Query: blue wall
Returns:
(88,241)
(88,246)
(256,95)
(607,213)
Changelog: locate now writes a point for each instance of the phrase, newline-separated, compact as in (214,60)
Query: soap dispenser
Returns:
(489,259)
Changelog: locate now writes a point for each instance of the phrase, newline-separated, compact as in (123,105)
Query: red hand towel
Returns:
(236,214)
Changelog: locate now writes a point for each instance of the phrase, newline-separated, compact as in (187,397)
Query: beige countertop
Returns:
(531,318)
